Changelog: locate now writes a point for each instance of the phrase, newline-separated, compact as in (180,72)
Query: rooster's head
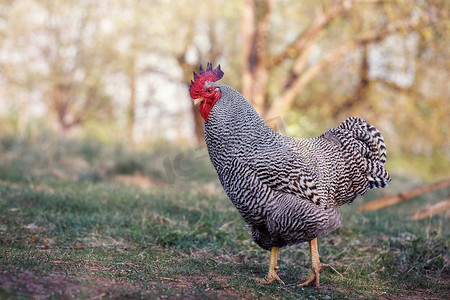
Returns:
(203,92)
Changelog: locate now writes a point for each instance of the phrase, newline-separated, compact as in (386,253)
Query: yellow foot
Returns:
(315,276)
(316,265)
(271,277)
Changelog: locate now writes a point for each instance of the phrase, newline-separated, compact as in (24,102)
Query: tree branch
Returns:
(431,210)
(360,91)
(285,100)
(311,34)
(403,196)
(410,90)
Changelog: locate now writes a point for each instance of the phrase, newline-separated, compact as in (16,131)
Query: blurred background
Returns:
(117,72)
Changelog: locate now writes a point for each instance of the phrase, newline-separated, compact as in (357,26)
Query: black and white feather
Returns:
(287,189)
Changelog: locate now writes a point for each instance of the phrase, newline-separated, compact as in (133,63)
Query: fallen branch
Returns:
(394,199)
(431,210)
(81,247)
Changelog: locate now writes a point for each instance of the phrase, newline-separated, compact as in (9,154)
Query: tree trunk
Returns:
(361,90)
(131,109)
(60,103)
(196,117)
(199,124)
(258,63)
(255,31)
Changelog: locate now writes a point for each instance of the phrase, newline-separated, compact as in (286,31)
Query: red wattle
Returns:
(205,108)
(207,104)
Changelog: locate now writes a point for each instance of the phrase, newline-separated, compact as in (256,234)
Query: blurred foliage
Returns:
(87,159)
(118,70)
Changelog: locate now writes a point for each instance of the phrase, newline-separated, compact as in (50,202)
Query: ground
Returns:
(81,220)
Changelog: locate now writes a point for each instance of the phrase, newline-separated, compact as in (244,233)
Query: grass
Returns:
(87,221)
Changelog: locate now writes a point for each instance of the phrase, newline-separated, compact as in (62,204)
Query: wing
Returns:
(288,167)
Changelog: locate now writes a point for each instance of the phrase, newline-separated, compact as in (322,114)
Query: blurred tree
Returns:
(295,56)
(211,38)
(132,27)
(126,64)
(375,59)
(60,56)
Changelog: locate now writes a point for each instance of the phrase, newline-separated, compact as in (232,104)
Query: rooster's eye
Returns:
(209,90)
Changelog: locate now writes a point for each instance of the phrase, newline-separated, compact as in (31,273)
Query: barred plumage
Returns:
(287,189)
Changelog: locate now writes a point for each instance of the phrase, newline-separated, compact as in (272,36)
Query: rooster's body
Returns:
(288,190)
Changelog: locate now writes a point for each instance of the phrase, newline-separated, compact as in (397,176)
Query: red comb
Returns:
(210,75)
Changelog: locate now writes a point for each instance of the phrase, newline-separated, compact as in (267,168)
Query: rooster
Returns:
(288,190)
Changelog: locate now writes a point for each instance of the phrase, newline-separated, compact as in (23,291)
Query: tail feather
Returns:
(373,150)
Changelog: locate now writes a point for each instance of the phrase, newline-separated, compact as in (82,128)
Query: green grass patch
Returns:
(83,220)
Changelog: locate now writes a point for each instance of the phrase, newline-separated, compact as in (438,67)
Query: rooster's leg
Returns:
(316,265)
(272,275)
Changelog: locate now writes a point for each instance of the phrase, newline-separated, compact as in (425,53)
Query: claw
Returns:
(316,265)
(315,276)
(272,275)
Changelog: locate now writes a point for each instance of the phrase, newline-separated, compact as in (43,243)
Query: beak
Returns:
(197,101)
